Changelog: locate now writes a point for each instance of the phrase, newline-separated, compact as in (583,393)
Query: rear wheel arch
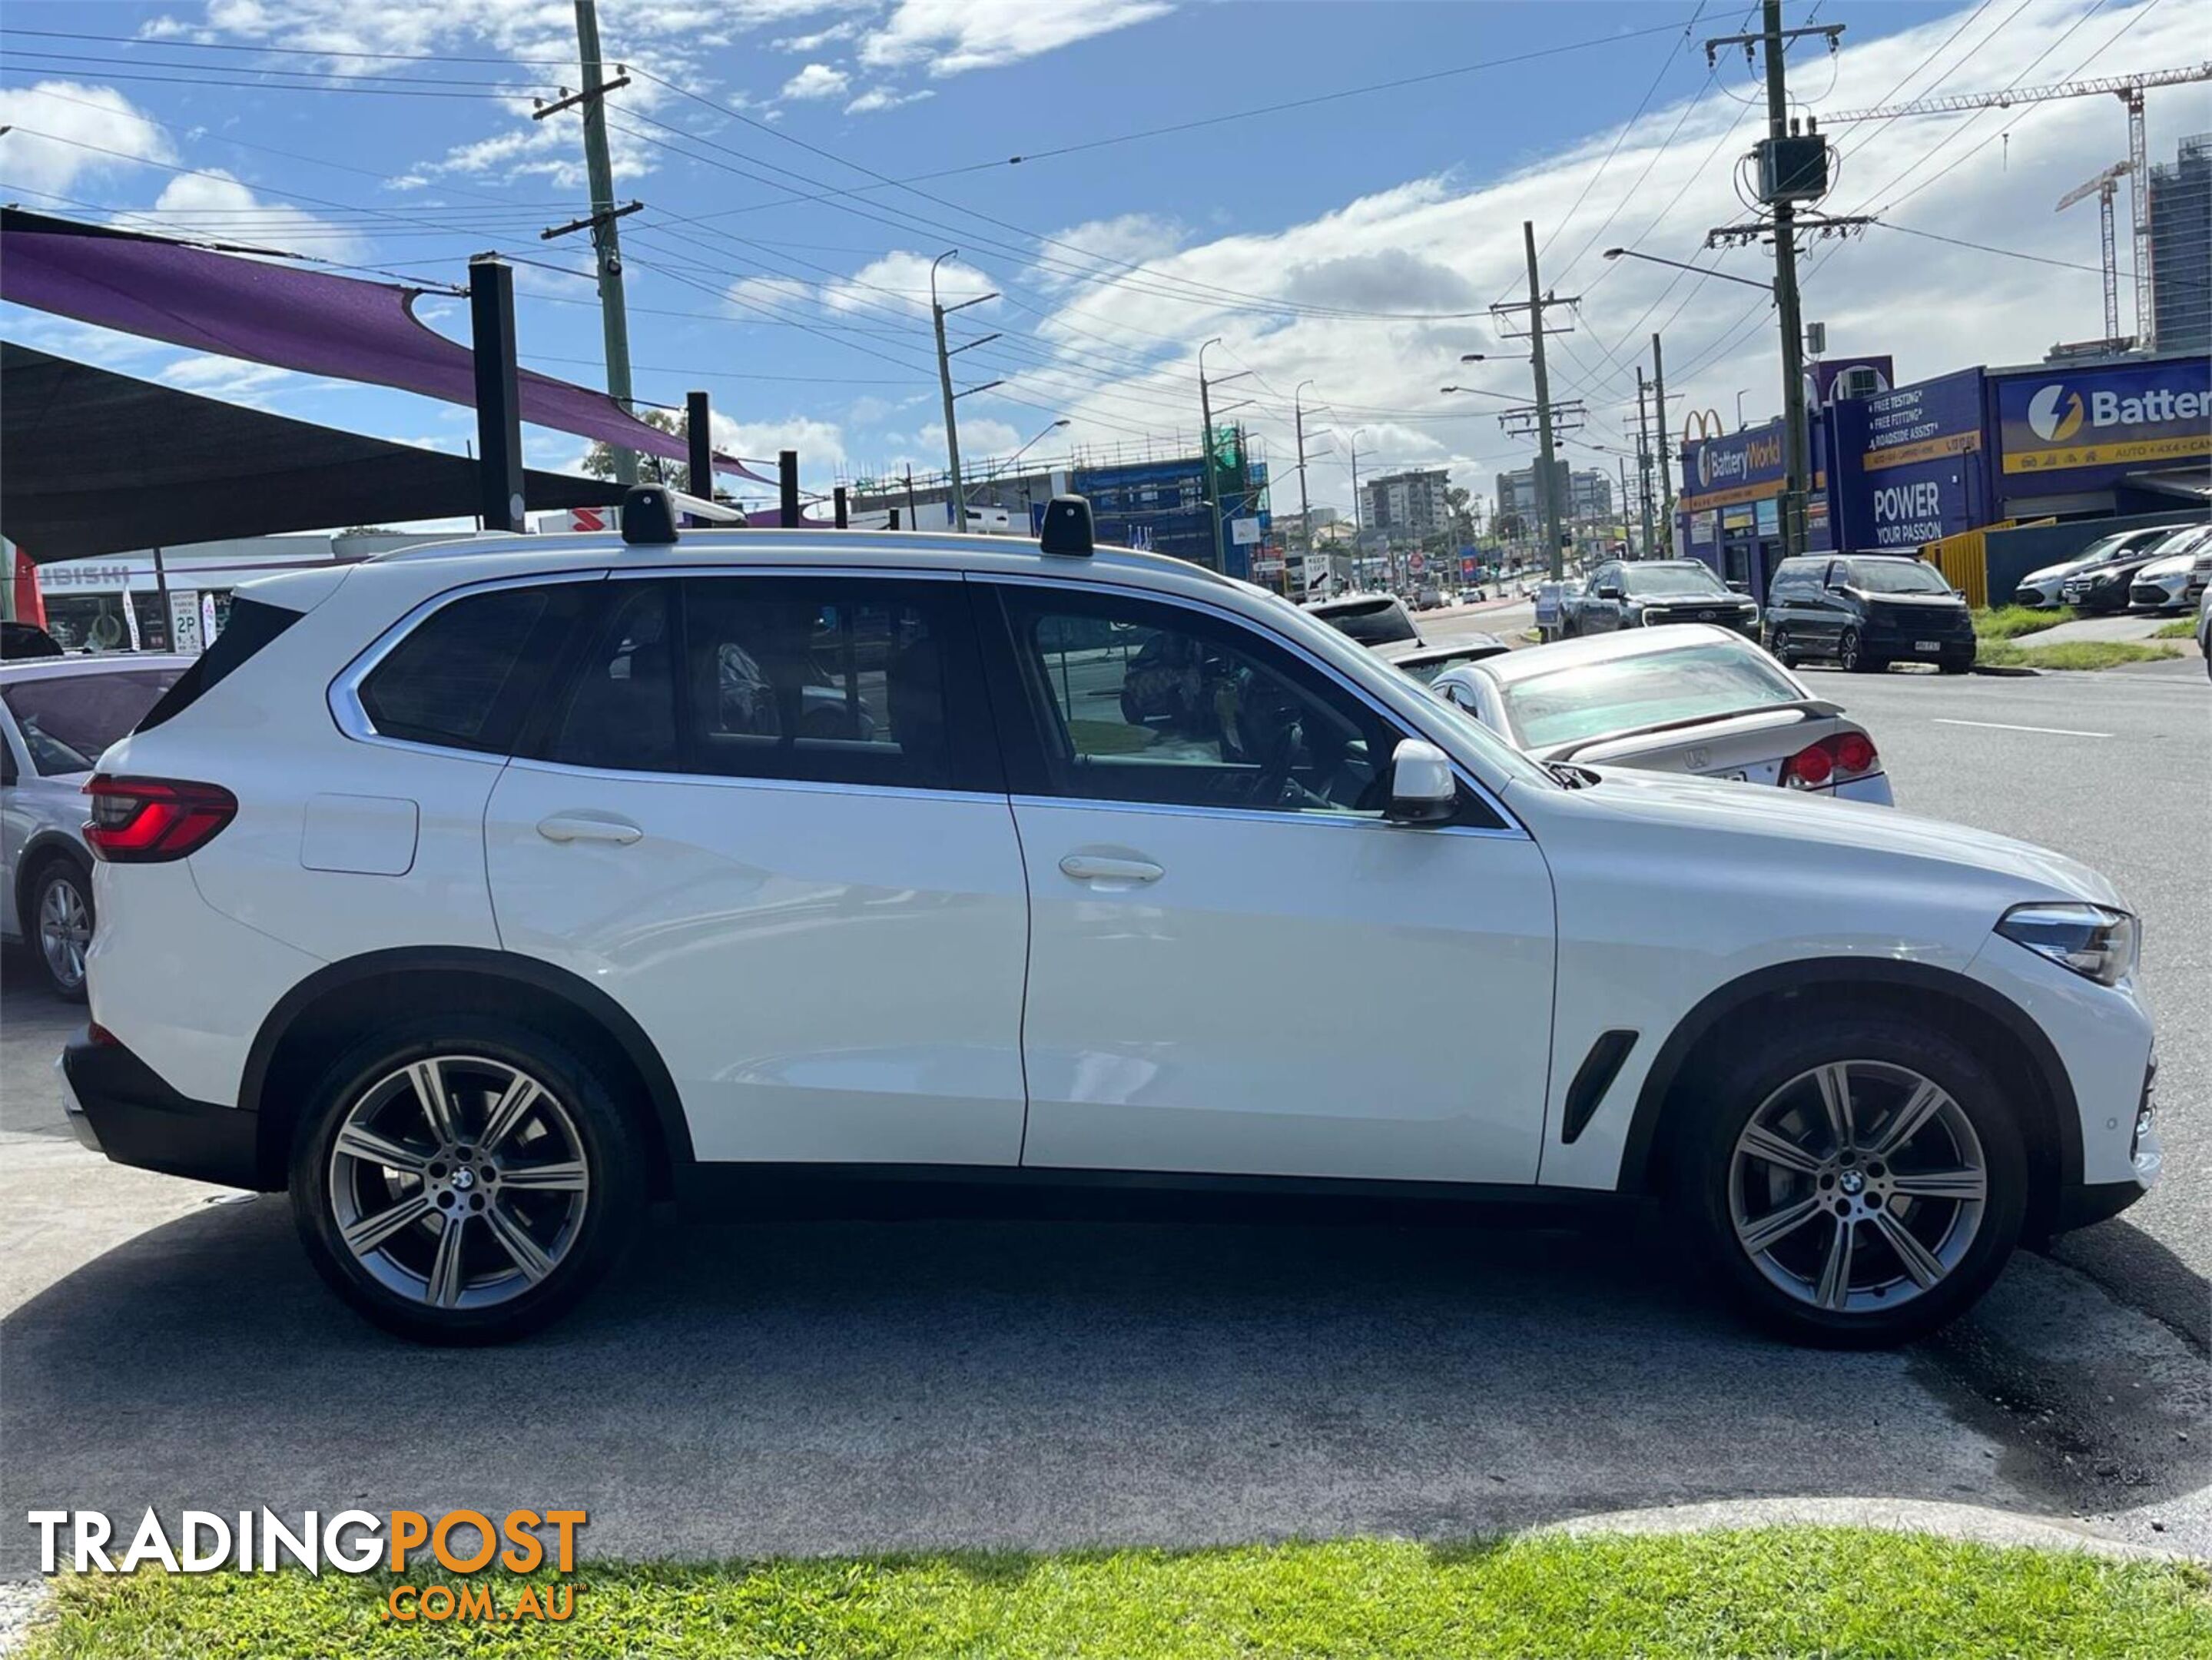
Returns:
(39,853)
(331,1009)
(1995,1029)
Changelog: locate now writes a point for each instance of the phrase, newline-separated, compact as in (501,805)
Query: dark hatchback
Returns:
(1867,612)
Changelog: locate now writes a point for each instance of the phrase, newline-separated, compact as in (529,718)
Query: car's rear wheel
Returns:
(464,1181)
(1855,1182)
(61,925)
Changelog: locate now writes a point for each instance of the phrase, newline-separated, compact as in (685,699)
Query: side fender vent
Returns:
(1592,1079)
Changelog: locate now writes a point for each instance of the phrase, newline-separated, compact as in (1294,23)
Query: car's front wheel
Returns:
(1778,642)
(61,925)
(464,1181)
(1854,1181)
(1852,654)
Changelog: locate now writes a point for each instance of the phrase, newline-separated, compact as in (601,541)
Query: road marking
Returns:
(2006,726)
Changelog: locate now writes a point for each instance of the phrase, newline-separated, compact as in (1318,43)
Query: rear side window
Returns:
(467,676)
(251,625)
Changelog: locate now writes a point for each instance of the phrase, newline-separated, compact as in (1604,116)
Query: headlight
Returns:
(2090,939)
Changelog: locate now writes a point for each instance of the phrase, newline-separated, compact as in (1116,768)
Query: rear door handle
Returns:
(582,827)
(1089,867)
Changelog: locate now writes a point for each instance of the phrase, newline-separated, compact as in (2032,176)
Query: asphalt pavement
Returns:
(759,1388)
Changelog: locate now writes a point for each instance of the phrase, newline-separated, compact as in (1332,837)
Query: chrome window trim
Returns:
(1343,820)
(834,573)
(1511,825)
(343,698)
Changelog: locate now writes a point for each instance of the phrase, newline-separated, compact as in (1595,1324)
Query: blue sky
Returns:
(1356,243)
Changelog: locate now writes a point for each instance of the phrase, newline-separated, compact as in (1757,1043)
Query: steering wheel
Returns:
(1272,785)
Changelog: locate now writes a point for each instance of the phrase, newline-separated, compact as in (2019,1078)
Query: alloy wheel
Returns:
(64,931)
(1857,1186)
(1847,649)
(458,1182)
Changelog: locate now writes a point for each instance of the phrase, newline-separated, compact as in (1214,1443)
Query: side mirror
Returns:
(1422,788)
(1608,591)
(1738,587)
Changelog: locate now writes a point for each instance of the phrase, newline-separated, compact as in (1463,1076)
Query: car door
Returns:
(1827,607)
(765,815)
(1601,613)
(1236,965)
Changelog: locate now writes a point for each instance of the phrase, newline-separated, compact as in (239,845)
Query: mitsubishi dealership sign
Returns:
(2126,416)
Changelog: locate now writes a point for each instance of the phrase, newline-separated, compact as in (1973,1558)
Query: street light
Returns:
(1702,270)
(1000,466)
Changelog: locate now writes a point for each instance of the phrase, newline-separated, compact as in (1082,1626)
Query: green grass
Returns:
(2069,654)
(2010,622)
(1784,1592)
(2180,629)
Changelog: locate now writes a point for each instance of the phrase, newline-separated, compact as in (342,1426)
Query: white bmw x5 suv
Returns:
(479,895)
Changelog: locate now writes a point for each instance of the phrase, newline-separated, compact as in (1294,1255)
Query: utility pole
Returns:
(1666,458)
(1643,461)
(1358,523)
(1621,462)
(1792,167)
(1547,417)
(938,313)
(1305,510)
(607,241)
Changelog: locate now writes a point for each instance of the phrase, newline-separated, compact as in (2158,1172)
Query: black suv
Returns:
(1867,612)
(1628,593)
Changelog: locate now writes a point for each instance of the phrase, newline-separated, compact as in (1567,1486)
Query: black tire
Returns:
(60,881)
(1854,656)
(1779,643)
(1702,1176)
(605,1140)
(1956,665)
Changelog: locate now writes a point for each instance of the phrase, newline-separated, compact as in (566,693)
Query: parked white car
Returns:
(1685,697)
(2177,577)
(57,714)
(457,898)
(2047,587)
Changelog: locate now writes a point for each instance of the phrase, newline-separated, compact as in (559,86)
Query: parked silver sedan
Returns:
(57,715)
(1684,697)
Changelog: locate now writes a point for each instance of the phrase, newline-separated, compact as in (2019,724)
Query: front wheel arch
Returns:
(1997,1030)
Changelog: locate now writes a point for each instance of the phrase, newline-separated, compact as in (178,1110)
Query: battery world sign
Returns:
(2129,416)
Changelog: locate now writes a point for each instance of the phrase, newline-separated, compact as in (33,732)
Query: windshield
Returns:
(1667,580)
(68,720)
(1378,622)
(1898,576)
(1686,683)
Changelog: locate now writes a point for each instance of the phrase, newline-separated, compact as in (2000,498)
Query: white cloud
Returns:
(214,205)
(954,36)
(819,39)
(884,98)
(75,116)
(817,81)
(229,379)
(900,280)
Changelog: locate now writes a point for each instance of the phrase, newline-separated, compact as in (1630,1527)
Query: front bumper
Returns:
(118,1105)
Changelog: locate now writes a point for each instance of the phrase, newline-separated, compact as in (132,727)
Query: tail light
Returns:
(1847,754)
(150,821)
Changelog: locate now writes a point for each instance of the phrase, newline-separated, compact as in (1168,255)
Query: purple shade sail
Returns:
(314,321)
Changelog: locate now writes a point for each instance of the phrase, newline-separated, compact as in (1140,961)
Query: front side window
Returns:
(1171,707)
(67,721)
(1648,689)
(469,673)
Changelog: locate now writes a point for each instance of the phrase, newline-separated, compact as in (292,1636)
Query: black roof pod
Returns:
(1067,528)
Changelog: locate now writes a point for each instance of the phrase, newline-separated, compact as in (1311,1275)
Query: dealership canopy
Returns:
(92,462)
(231,302)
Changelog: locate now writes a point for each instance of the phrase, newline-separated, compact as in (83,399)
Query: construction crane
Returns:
(2104,187)
(2128,89)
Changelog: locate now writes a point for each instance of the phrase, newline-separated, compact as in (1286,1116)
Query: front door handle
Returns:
(582,827)
(1091,867)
